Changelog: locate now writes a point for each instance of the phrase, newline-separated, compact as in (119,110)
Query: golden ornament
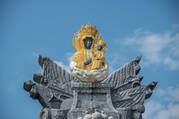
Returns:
(90,49)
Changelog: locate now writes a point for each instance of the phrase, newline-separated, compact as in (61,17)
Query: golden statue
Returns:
(90,49)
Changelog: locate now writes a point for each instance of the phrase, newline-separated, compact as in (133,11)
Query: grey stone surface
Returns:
(91,99)
(120,96)
(47,113)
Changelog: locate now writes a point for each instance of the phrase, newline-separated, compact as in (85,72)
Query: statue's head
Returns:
(86,37)
(88,42)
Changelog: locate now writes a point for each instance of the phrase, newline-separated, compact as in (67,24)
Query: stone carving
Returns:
(64,96)
(52,87)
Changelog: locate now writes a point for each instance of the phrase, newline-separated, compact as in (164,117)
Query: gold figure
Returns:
(90,49)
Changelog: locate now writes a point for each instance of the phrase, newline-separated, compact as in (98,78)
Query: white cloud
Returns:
(168,94)
(161,48)
(167,108)
(172,63)
(69,56)
(61,64)
(151,109)
(155,110)
(171,112)
(175,26)
(66,65)
(115,61)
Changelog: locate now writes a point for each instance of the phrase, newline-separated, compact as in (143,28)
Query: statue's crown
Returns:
(88,30)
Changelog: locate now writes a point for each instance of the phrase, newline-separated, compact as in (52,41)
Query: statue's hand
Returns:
(100,47)
(87,62)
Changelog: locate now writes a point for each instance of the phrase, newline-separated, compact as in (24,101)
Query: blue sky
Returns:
(130,28)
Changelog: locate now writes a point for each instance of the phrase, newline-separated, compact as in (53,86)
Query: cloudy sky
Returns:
(130,28)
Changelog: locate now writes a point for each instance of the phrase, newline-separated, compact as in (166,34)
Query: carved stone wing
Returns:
(53,85)
(55,75)
(125,75)
(127,92)
(130,98)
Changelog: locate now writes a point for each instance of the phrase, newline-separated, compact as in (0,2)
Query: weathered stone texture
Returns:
(120,96)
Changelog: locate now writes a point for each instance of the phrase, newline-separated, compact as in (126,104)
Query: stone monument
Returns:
(87,92)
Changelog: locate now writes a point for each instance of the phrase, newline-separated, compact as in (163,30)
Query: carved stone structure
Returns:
(64,95)
(91,97)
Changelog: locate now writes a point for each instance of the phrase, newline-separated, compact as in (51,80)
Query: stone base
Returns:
(92,101)
(47,113)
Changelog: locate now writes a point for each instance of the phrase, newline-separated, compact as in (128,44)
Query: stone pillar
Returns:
(92,100)
(47,113)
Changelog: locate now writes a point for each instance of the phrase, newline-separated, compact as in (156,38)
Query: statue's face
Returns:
(88,42)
